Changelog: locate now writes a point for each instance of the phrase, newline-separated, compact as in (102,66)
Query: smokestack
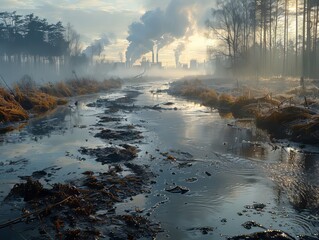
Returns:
(152,56)
(157,56)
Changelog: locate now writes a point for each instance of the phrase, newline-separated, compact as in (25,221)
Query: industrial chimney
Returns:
(152,56)
(157,56)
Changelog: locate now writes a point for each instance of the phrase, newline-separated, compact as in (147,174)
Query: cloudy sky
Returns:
(133,27)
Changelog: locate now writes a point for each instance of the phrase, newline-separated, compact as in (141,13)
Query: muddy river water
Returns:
(231,172)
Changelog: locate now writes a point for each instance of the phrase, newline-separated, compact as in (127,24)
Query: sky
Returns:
(132,27)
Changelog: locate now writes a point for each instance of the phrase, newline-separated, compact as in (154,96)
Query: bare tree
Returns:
(73,39)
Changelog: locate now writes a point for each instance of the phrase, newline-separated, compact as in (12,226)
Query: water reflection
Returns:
(239,150)
(296,176)
(57,120)
(234,153)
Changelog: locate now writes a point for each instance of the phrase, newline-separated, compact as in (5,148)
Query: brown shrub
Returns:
(292,122)
(10,109)
(82,86)
(226,101)
(192,89)
(27,97)
(209,98)
(36,100)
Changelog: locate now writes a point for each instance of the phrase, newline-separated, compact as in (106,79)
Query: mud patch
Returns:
(122,135)
(202,230)
(106,119)
(85,208)
(124,152)
(182,159)
(266,235)
(177,189)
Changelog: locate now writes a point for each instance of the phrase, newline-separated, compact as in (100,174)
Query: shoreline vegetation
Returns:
(291,115)
(26,98)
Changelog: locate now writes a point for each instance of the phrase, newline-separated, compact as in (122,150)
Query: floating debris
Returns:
(128,135)
(192,179)
(203,230)
(125,152)
(69,210)
(267,235)
(178,189)
(250,224)
(256,206)
(109,119)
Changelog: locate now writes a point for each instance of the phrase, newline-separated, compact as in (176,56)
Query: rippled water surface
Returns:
(228,165)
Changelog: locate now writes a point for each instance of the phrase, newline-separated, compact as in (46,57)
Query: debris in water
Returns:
(69,210)
(250,224)
(267,235)
(203,230)
(119,135)
(256,206)
(177,189)
(125,152)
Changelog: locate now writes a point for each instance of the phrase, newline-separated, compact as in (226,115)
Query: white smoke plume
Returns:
(160,27)
(97,47)
(178,52)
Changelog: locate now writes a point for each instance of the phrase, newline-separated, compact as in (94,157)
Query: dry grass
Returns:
(209,98)
(36,101)
(242,106)
(306,131)
(308,91)
(59,89)
(226,99)
(10,109)
(29,98)
(192,89)
(195,89)
(286,115)
(296,123)
(277,115)
(76,87)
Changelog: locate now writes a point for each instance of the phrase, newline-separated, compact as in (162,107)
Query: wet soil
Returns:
(85,207)
(143,171)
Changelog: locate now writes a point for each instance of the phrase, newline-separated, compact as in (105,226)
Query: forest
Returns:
(26,37)
(266,37)
(30,44)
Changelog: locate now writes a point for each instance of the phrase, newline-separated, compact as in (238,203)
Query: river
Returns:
(229,166)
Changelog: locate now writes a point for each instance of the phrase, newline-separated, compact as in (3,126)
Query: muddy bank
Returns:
(289,117)
(27,99)
(85,207)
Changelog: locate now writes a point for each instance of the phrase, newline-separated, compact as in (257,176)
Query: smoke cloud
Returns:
(159,27)
(97,47)
(178,52)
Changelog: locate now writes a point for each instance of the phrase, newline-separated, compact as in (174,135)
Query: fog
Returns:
(48,48)
(276,42)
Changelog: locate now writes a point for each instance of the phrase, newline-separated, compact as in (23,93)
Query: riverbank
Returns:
(27,98)
(291,115)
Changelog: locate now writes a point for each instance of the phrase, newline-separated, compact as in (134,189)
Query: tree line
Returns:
(28,38)
(266,37)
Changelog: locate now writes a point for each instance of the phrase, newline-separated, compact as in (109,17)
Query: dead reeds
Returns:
(281,116)
(27,97)
(10,109)
(76,87)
